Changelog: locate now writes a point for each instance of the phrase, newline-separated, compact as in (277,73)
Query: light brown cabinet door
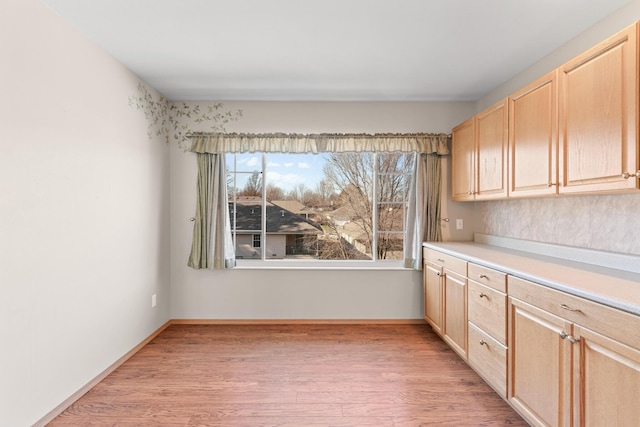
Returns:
(455,312)
(606,381)
(463,149)
(433,296)
(491,152)
(539,360)
(533,138)
(598,116)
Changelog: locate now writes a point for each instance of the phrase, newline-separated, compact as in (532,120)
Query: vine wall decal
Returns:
(168,119)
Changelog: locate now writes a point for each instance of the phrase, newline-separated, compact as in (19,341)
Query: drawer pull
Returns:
(570,338)
(566,307)
(484,276)
(440,260)
(628,175)
(483,342)
(483,295)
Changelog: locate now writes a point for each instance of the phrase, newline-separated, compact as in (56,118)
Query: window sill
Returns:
(319,265)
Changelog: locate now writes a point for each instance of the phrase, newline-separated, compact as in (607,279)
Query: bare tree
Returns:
(253,187)
(352,175)
(324,190)
(274,192)
(301,193)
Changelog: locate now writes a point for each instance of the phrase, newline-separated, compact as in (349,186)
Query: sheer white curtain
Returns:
(423,219)
(210,247)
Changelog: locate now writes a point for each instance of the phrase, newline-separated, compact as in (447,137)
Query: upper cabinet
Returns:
(598,117)
(574,130)
(491,152)
(479,152)
(463,156)
(533,138)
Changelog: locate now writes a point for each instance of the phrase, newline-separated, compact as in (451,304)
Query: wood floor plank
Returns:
(292,375)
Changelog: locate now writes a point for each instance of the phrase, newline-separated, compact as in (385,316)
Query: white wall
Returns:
(600,31)
(609,223)
(83,214)
(299,294)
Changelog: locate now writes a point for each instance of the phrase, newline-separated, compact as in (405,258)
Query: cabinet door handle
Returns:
(566,307)
(483,295)
(551,184)
(570,338)
(628,175)
(483,342)
(484,276)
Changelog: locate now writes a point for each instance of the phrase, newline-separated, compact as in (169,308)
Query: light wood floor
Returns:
(292,375)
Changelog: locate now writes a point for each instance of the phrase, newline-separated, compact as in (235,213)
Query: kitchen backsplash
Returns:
(606,222)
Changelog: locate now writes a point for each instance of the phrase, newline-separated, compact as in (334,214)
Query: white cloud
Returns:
(288,164)
(273,165)
(304,165)
(254,161)
(286,181)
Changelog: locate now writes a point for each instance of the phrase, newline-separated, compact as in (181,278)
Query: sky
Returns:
(283,170)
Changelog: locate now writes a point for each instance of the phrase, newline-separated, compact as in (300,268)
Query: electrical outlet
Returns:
(459,224)
(153,300)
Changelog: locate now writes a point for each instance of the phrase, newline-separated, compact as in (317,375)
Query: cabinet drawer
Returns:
(488,310)
(488,277)
(608,321)
(489,358)
(449,262)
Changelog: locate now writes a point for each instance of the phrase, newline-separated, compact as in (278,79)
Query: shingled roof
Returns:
(279,221)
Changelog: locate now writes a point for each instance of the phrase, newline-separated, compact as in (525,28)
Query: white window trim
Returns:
(288,264)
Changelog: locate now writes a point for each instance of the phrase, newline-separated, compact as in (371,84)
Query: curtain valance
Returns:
(422,143)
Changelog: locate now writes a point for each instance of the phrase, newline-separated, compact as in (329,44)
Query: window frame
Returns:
(316,264)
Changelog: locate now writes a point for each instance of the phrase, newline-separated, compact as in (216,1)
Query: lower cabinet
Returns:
(487,327)
(607,385)
(564,369)
(489,358)
(433,294)
(539,365)
(455,312)
(558,359)
(445,298)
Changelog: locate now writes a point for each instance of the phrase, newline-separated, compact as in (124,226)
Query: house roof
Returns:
(292,206)
(248,217)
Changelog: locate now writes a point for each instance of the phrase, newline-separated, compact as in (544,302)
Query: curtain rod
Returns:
(189,135)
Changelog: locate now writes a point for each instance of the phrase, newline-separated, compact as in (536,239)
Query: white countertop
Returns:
(613,287)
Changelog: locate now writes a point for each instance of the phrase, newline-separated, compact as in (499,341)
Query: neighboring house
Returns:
(310,213)
(293,206)
(288,234)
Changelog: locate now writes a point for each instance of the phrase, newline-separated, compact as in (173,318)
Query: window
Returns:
(319,207)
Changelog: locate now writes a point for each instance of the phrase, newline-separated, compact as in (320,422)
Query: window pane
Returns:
(351,219)
(319,207)
(244,174)
(390,246)
(391,217)
(246,222)
(394,176)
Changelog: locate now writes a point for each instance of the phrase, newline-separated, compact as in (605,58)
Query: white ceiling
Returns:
(330,50)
